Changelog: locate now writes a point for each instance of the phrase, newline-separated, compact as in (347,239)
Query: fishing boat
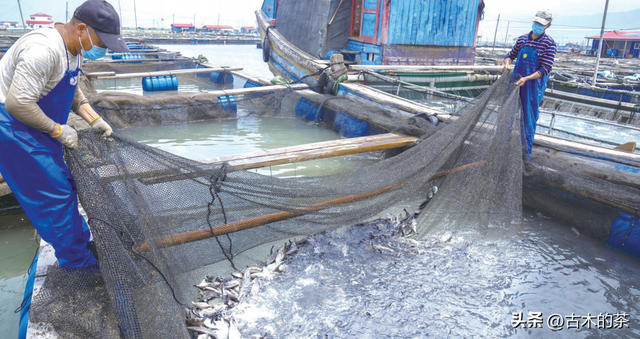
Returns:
(592,188)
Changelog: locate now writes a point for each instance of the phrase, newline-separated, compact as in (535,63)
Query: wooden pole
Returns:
(163,73)
(236,226)
(21,17)
(494,36)
(604,19)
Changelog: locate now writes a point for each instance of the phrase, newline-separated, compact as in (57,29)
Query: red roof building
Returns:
(617,44)
(217,27)
(39,20)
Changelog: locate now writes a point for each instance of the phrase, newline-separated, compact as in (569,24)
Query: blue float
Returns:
(228,103)
(221,78)
(624,234)
(162,83)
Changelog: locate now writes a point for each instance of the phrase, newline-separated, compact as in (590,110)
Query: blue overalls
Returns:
(33,166)
(531,94)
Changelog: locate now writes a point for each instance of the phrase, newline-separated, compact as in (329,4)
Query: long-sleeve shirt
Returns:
(545,46)
(31,68)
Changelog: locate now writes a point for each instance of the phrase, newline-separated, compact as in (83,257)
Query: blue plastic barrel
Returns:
(228,103)
(146,84)
(162,83)
(221,78)
(624,234)
(174,82)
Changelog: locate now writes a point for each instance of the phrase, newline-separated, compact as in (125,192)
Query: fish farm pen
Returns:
(355,188)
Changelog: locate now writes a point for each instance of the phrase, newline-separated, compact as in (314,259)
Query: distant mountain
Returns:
(615,21)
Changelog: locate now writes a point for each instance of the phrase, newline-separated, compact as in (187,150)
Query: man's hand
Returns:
(102,125)
(507,62)
(66,135)
(521,81)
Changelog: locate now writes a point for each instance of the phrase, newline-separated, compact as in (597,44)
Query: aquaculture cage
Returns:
(160,221)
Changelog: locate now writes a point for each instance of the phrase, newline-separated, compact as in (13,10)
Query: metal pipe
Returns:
(495,34)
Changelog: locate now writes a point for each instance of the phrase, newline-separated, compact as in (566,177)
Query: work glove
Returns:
(68,136)
(102,125)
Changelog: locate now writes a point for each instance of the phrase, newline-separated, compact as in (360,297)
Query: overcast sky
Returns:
(241,12)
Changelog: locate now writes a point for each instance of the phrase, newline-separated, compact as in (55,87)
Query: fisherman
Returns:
(535,53)
(38,77)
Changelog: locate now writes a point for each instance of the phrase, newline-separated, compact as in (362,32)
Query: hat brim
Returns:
(540,20)
(114,42)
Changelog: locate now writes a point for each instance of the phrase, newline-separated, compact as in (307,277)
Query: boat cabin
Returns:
(382,32)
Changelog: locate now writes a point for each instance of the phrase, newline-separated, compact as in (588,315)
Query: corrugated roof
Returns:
(618,35)
(183,25)
(249,27)
(39,14)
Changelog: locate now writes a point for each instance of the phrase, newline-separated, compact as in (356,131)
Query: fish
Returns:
(231,284)
(281,253)
(204,336)
(446,237)
(202,285)
(575,230)
(201,305)
(237,275)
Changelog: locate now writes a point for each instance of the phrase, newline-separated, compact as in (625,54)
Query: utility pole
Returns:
(135,14)
(174,18)
(218,19)
(506,36)
(66,16)
(120,9)
(604,19)
(495,34)
(21,17)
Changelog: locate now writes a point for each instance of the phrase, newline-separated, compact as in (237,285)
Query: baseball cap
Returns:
(543,17)
(102,17)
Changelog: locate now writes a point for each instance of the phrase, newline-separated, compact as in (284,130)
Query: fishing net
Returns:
(160,221)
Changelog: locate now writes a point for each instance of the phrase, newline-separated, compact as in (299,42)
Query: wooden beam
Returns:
(407,68)
(236,226)
(318,150)
(163,73)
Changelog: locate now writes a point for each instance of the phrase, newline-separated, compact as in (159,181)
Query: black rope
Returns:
(214,189)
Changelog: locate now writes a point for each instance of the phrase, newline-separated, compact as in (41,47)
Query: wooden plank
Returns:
(163,73)
(313,151)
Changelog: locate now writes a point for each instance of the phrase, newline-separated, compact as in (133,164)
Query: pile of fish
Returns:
(210,317)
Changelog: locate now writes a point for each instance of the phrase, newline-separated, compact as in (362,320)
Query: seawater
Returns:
(464,288)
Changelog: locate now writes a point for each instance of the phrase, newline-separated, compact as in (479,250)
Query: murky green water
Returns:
(249,134)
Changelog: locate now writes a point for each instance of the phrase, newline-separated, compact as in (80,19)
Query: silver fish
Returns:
(237,275)
(201,305)
(231,284)
(446,237)
(281,252)
(203,284)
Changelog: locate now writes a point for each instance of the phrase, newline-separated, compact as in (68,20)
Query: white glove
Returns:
(102,125)
(68,136)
